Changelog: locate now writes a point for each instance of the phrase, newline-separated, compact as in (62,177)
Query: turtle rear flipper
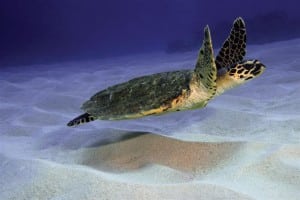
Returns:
(205,70)
(81,119)
(234,47)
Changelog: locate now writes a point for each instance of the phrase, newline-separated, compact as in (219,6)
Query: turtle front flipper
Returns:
(234,47)
(205,71)
(84,118)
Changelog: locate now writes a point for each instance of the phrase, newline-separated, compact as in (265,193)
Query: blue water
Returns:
(52,31)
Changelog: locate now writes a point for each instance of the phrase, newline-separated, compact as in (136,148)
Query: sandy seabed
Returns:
(244,145)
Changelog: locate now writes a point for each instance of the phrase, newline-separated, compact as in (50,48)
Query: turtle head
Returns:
(246,70)
(239,74)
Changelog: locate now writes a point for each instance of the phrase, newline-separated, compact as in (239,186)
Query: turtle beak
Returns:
(259,68)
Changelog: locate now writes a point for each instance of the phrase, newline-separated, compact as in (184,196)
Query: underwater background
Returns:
(54,55)
(49,31)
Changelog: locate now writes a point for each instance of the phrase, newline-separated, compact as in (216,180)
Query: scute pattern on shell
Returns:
(138,95)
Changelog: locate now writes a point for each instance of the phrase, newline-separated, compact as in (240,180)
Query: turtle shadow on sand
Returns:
(135,150)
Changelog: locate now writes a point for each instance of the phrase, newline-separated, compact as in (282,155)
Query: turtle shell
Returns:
(136,97)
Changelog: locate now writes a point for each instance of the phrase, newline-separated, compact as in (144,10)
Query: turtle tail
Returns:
(81,119)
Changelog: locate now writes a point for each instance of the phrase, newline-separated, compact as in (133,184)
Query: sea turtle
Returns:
(177,90)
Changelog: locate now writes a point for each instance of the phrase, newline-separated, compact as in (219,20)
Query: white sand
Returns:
(244,145)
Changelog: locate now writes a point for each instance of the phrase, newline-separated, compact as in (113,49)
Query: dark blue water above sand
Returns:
(51,31)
